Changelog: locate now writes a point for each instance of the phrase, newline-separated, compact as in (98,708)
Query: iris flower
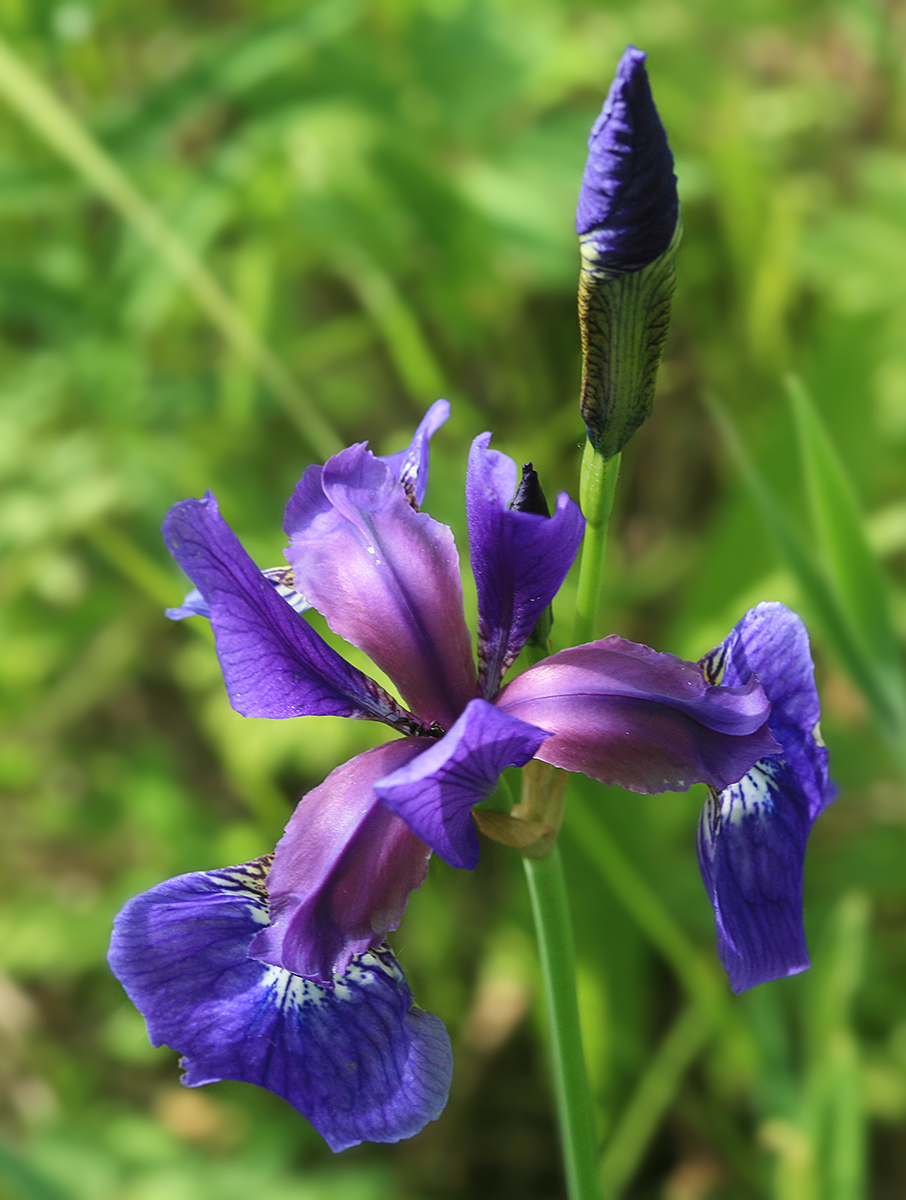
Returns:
(277,972)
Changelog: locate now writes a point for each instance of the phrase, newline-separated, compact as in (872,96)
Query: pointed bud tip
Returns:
(530,495)
(628,205)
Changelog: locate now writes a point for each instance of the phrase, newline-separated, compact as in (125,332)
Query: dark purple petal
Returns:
(358,1059)
(519,559)
(195,605)
(628,203)
(753,835)
(385,577)
(273,662)
(435,793)
(343,871)
(410,466)
(622,713)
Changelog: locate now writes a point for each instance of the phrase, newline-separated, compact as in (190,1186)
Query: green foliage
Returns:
(236,235)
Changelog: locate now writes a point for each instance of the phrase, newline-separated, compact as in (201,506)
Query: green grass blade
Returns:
(654,1094)
(850,563)
(815,586)
(833,1109)
(27,95)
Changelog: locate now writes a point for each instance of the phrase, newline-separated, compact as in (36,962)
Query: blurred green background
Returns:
(238,233)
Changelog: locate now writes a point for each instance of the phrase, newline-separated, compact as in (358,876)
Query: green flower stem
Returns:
(597,486)
(550,908)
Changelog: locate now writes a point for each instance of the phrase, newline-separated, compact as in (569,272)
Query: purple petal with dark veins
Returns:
(624,714)
(195,605)
(273,662)
(358,1059)
(410,466)
(628,205)
(519,559)
(753,835)
(435,793)
(343,871)
(385,577)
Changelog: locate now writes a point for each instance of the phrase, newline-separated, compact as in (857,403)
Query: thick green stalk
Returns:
(553,927)
(597,485)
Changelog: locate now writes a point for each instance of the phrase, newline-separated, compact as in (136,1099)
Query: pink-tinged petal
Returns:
(410,466)
(273,662)
(385,577)
(519,559)
(753,834)
(435,793)
(343,870)
(622,713)
(356,1057)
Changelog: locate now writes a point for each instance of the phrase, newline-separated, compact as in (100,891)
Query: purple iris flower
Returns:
(277,972)
(628,205)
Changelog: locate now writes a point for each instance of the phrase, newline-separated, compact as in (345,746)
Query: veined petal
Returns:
(343,871)
(753,835)
(519,559)
(410,466)
(385,577)
(273,662)
(435,793)
(622,713)
(195,605)
(356,1058)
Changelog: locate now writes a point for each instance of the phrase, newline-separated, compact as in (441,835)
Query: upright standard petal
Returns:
(356,1058)
(628,205)
(410,466)
(752,835)
(343,871)
(385,577)
(624,714)
(435,793)
(519,559)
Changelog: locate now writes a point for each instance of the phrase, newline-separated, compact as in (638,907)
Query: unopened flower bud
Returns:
(629,229)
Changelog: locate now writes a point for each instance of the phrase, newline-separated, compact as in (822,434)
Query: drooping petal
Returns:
(385,577)
(624,714)
(358,1059)
(628,205)
(273,662)
(435,793)
(410,466)
(343,871)
(752,835)
(519,559)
